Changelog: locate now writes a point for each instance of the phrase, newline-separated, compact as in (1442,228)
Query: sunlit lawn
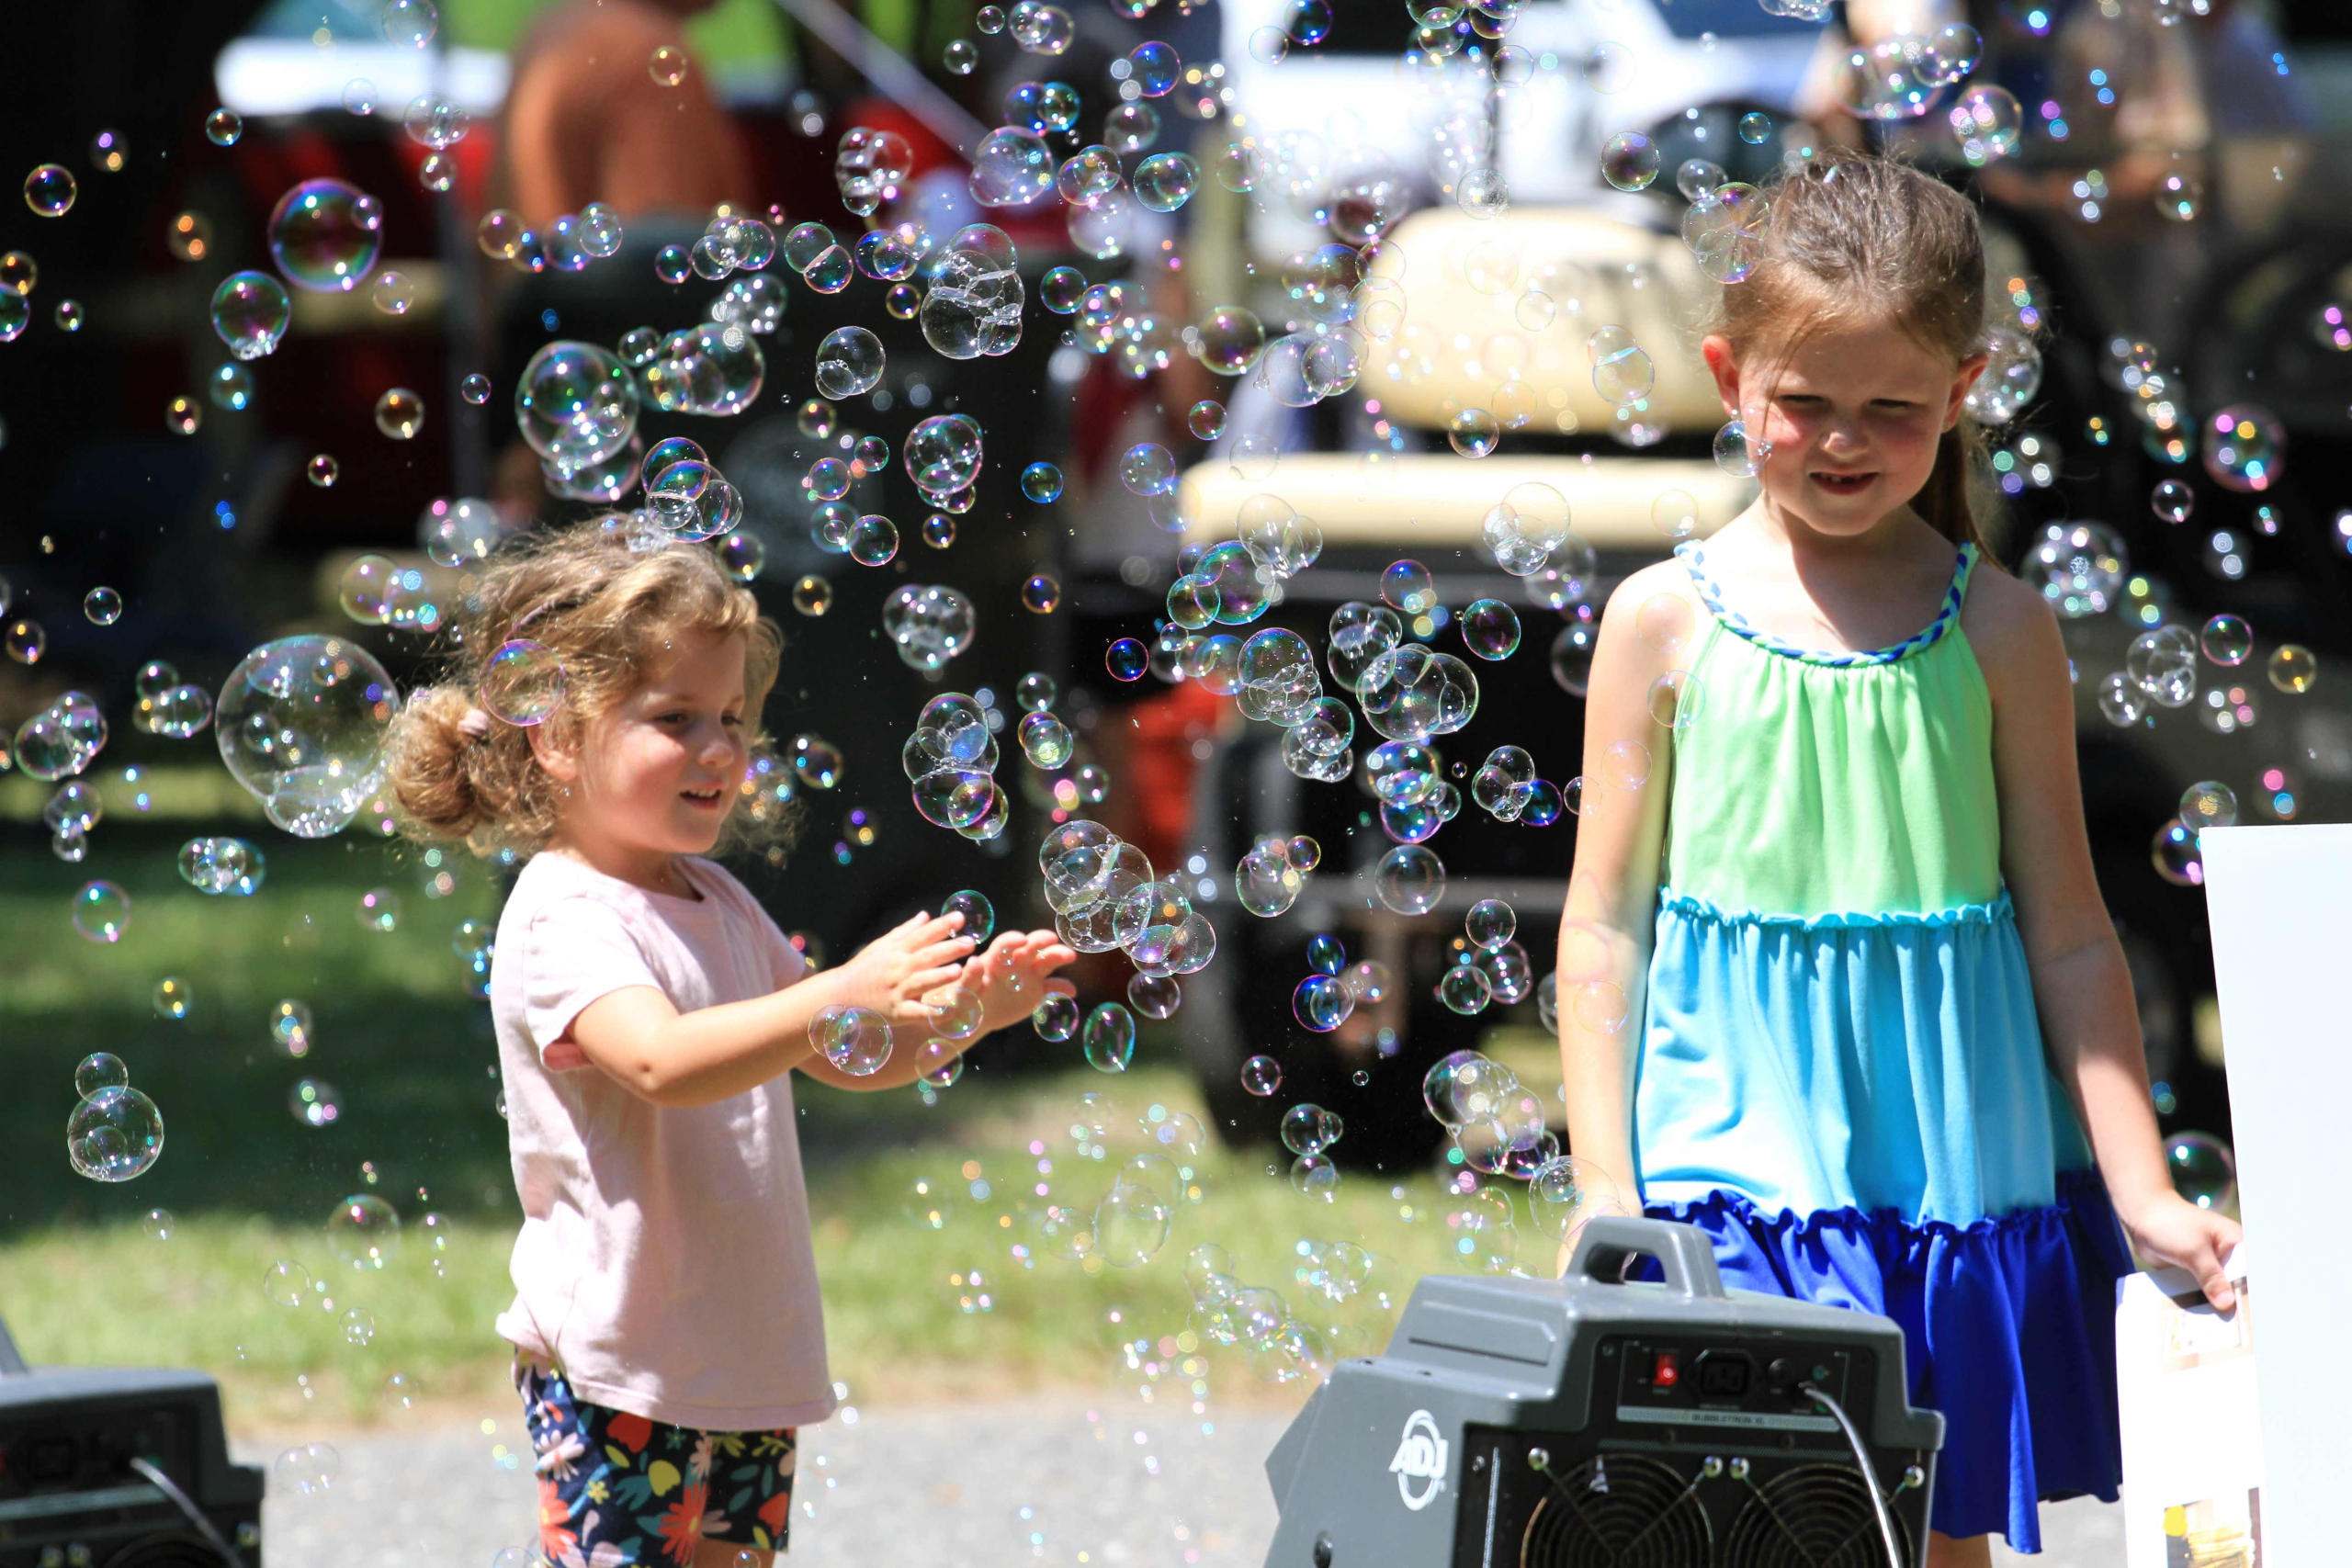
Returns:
(248,1185)
(892,1286)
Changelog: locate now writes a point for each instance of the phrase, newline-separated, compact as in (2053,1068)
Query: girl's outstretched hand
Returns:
(2174,1230)
(893,972)
(1010,978)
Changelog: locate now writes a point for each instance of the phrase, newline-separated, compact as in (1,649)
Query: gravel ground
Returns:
(1112,1481)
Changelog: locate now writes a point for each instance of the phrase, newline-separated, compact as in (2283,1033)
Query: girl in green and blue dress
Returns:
(1882,1047)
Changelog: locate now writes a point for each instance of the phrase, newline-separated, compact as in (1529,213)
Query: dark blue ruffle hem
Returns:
(2008,1327)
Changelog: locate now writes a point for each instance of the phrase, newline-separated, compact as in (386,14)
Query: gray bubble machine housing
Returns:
(1598,1422)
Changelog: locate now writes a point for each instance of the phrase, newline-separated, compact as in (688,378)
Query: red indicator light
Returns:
(1667,1371)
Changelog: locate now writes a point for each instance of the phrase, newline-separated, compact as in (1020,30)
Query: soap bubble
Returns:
(1262,1076)
(1410,880)
(1045,740)
(114,1135)
(1566,1191)
(1630,161)
(1055,1018)
(301,724)
(1165,181)
(2203,1169)
(522,682)
(1127,659)
(324,235)
(250,311)
(101,911)
(849,362)
(2175,855)
(314,1103)
(1011,167)
(2079,568)
(1490,629)
(50,190)
(400,414)
(576,403)
(855,1040)
(667,65)
(1738,454)
(2293,668)
(1896,78)
(231,387)
(172,997)
(1308,1129)
(1321,1003)
(1041,482)
(979,915)
(2245,448)
(1109,1037)
(2209,804)
(364,1231)
(2226,639)
(2163,663)
(1131,1224)
(1986,122)
(98,1072)
(221,865)
(2011,378)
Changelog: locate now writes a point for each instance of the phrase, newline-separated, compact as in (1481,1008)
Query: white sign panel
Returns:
(2280,900)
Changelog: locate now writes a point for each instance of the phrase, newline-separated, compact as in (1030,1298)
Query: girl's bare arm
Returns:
(1607,926)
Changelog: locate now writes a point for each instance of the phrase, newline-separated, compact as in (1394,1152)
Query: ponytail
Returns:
(1956,501)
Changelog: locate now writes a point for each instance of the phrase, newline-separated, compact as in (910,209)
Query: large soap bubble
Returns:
(250,311)
(324,235)
(1011,167)
(942,454)
(301,724)
(974,305)
(576,403)
(114,1134)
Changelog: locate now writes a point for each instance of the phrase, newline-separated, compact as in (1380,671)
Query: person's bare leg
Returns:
(1943,1551)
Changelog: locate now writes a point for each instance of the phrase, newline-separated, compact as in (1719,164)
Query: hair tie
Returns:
(475,723)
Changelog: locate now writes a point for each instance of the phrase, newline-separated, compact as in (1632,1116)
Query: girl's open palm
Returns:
(1009,978)
(893,972)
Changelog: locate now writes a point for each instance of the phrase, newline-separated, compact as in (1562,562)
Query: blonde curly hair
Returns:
(605,612)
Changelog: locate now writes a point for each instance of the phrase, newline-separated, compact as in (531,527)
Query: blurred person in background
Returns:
(588,121)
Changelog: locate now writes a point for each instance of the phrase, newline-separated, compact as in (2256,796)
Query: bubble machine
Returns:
(119,1467)
(1590,1421)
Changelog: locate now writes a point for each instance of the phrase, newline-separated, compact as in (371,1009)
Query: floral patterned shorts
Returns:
(617,1490)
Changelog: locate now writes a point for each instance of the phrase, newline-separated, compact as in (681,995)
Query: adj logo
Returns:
(1420,1457)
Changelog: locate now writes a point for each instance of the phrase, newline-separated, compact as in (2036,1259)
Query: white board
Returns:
(2280,901)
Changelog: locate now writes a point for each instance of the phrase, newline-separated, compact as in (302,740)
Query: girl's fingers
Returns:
(942,951)
(926,980)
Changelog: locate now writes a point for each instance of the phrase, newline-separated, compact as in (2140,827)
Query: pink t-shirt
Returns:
(664,1260)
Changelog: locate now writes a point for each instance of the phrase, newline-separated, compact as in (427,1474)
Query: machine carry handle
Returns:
(1608,1244)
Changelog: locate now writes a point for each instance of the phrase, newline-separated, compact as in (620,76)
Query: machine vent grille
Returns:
(1815,1515)
(1618,1511)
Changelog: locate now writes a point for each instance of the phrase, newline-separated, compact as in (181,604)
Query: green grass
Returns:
(110,1293)
(414,1061)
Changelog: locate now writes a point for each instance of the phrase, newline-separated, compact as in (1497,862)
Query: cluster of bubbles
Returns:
(300,723)
(568,245)
(115,1132)
(1106,895)
(950,760)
